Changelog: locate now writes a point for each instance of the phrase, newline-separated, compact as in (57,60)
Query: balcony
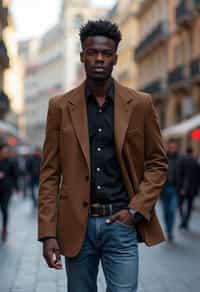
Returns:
(178,77)
(4,59)
(4,104)
(153,87)
(3,14)
(195,69)
(184,14)
(197,4)
(156,37)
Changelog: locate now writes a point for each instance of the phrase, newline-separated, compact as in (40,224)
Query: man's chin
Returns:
(99,77)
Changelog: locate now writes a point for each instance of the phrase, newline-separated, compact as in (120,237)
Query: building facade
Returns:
(151,53)
(184,61)
(124,13)
(44,70)
(164,39)
(4,59)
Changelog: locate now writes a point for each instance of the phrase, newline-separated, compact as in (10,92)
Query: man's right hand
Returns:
(51,253)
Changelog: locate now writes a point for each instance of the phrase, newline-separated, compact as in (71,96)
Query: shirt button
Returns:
(99,130)
(98,187)
(98,169)
(98,149)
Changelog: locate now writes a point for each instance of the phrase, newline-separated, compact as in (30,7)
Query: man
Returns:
(8,182)
(189,184)
(169,195)
(102,170)
(33,169)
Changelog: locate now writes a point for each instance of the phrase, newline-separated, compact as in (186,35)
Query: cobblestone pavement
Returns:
(164,268)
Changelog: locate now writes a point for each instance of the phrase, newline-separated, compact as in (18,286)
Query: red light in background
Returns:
(12,141)
(196,135)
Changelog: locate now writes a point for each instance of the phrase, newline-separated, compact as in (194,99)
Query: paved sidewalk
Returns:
(164,268)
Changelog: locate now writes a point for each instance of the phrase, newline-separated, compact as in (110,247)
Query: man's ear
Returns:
(81,57)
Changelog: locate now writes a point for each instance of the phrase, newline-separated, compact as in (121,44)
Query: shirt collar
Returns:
(110,93)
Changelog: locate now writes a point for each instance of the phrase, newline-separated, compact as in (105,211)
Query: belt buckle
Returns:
(95,205)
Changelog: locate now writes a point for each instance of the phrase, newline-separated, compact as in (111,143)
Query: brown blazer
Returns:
(65,171)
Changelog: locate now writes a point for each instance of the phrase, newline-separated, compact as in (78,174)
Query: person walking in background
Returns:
(22,172)
(33,168)
(8,182)
(169,194)
(189,185)
(103,167)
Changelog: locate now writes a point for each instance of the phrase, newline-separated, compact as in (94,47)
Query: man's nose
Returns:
(99,57)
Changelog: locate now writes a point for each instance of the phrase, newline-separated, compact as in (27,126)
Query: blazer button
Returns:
(87,178)
(85,204)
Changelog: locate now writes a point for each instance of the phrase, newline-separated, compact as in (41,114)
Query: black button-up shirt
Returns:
(106,179)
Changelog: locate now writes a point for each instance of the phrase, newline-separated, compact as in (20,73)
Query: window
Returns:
(78,20)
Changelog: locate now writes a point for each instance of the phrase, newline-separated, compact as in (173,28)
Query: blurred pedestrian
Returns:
(189,185)
(22,173)
(33,169)
(8,182)
(169,195)
(96,197)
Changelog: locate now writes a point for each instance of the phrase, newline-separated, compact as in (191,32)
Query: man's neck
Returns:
(99,88)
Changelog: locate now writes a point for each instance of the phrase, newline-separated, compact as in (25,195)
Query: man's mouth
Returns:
(98,69)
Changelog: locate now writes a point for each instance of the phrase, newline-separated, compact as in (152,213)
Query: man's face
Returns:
(4,153)
(172,148)
(99,56)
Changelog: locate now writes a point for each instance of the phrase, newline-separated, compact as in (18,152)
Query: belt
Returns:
(100,210)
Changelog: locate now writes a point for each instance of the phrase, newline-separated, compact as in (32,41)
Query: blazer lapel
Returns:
(122,112)
(78,111)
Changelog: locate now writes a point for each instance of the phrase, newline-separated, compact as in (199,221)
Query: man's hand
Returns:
(122,216)
(51,253)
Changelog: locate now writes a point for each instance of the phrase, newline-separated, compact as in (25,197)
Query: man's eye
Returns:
(91,52)
(108,54)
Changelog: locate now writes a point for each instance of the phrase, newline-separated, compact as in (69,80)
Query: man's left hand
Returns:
(122,216)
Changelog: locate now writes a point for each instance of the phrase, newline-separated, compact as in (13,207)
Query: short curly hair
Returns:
(100,28)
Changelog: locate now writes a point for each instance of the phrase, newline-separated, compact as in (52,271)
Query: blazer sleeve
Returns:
(155,165)
(49,176)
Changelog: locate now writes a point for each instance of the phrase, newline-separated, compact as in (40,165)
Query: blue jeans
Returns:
(169,199)
(116,246)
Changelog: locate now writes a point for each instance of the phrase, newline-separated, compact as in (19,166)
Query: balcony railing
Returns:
(195,68)
(4,60)
(177,75)
(157,36)
(184,14)
(153,87)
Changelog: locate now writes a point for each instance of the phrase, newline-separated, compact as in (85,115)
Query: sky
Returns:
(32,18)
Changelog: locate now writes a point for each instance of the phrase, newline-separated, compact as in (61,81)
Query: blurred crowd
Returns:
(19,173)
(181,187)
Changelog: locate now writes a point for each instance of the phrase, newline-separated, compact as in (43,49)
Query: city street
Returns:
(165,268)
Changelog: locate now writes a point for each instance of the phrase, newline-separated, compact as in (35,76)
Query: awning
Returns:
(182,128)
